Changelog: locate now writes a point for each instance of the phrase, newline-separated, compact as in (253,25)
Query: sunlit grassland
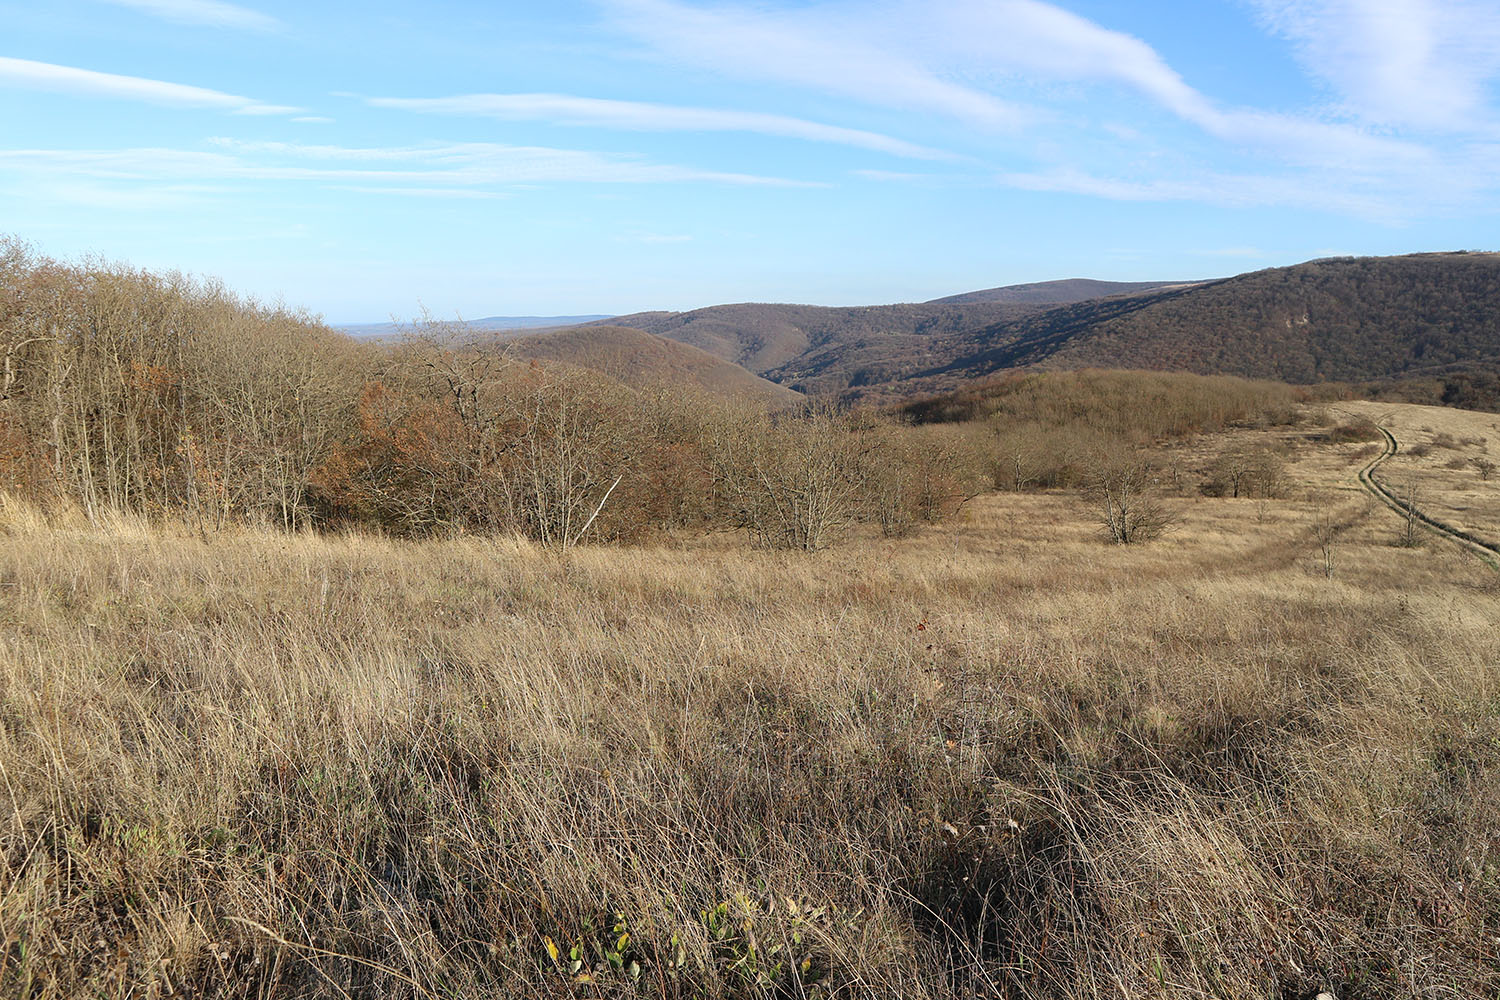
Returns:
(1000,757)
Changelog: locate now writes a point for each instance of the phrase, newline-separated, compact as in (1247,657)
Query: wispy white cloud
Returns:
(461,194)
(211,13)
(1420,63)
(562,109)
(1214,188)
(929,55)
(88,83)
(1040,39)
(828,47)
(91,194)
(268,109)
(475,166)
(892,176)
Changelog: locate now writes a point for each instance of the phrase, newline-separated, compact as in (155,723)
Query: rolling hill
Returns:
(788,339)
(1433,318)
(1340,319)
(763,336)
(638,358)
(1428,322)
(489,324)
(1055,293)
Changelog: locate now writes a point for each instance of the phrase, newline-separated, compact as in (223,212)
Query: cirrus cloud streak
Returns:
(562,109)
(208,13)
(50,77)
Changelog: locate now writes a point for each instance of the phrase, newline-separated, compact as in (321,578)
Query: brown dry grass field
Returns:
(1002,758)
(1439,451)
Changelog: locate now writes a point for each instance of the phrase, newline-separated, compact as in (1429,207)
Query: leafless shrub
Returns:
(1122,491)
(1356,430)
(794,482)
(1411,522)
(924,475)
(1141,406)
(158,394)
(1325,532)
(1249,472)
(1035,455)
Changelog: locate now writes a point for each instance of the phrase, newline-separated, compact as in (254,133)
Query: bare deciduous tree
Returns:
(1122,491)
(794,482)
(1247,472)
(1325,532)
(1411,522)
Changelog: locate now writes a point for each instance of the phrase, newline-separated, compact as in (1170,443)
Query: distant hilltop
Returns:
(1057,293)
(489,324)
(1428,317)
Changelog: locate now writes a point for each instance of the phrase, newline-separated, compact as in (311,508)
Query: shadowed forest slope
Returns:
(1341,319)
(765,336)
(1431,320)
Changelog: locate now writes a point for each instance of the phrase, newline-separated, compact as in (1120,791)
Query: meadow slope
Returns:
(999,758)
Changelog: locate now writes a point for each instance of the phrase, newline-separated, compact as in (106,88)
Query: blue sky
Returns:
(370,160)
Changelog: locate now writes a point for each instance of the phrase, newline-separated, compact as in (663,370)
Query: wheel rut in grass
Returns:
(1487,551)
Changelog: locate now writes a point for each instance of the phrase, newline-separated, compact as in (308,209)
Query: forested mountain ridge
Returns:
(1419,316)
(1028,339)
(764,336)
(1337,319)
(1056,293)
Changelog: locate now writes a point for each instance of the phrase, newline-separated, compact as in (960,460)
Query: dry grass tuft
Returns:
(1001,758)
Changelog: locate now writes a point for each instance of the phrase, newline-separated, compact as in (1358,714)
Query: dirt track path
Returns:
(1486,551)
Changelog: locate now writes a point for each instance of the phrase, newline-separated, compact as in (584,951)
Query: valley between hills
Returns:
(1421,327)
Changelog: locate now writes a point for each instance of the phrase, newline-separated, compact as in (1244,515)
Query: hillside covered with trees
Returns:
(766,337)
(643,359)
(1055,293)
(1327,320)
(161,395)
(123,391)
(1422,326)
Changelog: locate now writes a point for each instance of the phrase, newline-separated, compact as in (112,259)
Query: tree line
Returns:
(168,396)
(164,395)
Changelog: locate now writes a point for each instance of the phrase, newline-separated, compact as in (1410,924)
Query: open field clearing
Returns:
(1450,457)
(1000,758)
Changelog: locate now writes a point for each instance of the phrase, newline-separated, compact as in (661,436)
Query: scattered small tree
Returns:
(1411,530)
(1019,463)
(795,482)
(923,475)
(1326,530)
(1246,472)
(1122,491)
(1484,467)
